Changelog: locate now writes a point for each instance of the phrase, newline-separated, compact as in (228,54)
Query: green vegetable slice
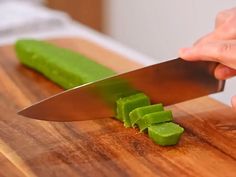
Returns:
(154,118)
(64,67)
(165,134)
(127,104)
(138,113)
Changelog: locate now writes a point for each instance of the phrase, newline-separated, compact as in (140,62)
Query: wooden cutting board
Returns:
(104,147)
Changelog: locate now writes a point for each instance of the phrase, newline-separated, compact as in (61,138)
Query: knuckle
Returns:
(227,17)
(224,48)
(222,14)
(230,29)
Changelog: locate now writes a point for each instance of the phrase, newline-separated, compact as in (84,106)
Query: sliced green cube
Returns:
(127,104)
(138,113)
(63,66)
(165,134)
(154,118)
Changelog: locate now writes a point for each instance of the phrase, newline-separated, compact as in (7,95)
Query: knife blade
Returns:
(169,83)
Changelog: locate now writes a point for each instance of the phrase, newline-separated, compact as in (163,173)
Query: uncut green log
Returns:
(62,66)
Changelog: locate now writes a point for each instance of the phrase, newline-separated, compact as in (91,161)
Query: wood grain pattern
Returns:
(104,147)
(12,170)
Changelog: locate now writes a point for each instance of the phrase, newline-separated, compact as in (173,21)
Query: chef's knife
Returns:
(168,83)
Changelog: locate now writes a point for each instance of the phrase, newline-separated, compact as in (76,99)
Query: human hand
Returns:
(219,46)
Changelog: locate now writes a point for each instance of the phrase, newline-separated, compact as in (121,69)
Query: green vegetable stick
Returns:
(138,113)
(64,67)
(165,134)
(154,118)
(127,104)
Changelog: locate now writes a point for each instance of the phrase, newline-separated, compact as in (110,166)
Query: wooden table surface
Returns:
(104,147)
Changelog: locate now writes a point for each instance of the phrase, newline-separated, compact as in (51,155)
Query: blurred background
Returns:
(146,31)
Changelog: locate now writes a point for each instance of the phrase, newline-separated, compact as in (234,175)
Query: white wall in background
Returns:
(159,28)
